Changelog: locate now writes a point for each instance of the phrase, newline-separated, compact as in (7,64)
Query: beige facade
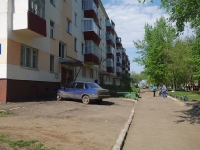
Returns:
(39,38)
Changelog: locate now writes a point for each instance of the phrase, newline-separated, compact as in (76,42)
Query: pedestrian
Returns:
(164,91)
(160,90)
(154,90)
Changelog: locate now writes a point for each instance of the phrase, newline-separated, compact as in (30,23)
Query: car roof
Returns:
(82,82)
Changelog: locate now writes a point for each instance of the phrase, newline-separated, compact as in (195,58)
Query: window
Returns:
(91,73)
(75,19)
(52,2)
(37,7)
(29,57)
(0,49)
(51,29)
(75,41)
(83,71)
(61,50)
(71,85)
(68,29)
(51,63)
(80,85)
(82,49)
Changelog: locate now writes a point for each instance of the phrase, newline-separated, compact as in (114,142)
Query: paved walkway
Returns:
(164,124)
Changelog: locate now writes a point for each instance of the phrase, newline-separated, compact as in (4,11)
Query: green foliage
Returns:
(181,11)
(32,144)
(158,39)
(4,113)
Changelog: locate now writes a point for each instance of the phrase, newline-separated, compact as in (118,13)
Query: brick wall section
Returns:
(22,90)
(3,89)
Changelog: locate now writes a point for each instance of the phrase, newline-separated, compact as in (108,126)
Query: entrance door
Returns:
(63,77)
(70,76)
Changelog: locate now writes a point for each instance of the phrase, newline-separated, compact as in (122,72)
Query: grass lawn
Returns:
(192,95)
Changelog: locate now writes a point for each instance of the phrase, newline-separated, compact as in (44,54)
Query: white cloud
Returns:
(130,17)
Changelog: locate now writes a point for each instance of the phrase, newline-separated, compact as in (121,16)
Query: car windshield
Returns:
(94,85)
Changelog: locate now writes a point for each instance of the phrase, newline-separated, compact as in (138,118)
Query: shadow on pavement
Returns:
(192,115)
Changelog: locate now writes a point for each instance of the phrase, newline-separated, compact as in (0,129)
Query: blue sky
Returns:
(130,17)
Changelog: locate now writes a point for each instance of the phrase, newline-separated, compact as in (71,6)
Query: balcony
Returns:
(118,42)
(110,26)
(91,53)
(110,40)
(119,64)
(110,65)
(91,31)
(118,70)
(28,18)
(29,24)
(110,52)
(90,8)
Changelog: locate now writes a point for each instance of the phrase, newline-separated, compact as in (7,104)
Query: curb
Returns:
(119,143)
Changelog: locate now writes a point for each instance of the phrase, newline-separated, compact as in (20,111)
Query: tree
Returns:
(182,11)
(136,78)
(158,39)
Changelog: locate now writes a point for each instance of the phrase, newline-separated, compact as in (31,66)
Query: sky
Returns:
(130,17)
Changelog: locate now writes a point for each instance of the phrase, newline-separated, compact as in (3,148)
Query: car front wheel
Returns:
(58,97)
(86,99)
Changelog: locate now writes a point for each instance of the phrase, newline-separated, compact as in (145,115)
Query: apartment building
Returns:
(45,44)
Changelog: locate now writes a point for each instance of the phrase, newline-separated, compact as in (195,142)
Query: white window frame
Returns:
(37,7)
(75,19)
(61,50)
(28,57)
(68,26)
(51,63)
(52,29)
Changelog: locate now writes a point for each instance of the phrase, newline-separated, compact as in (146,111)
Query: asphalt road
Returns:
(163,124)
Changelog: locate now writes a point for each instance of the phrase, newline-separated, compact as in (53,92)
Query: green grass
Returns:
(192,95)
(21,144)
(4,113)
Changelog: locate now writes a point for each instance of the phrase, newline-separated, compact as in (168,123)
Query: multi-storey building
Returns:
(45,44)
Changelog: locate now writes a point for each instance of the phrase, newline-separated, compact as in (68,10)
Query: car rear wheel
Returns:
(58,97)
(86,99)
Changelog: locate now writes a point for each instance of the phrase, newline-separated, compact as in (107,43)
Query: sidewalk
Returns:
(163,124)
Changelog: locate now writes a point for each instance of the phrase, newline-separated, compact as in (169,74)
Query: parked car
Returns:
(85,91)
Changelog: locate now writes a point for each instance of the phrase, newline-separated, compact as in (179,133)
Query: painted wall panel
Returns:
(3,72)
(3,55)
(20,73)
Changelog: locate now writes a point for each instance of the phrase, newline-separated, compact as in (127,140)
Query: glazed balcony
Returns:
(110,26)
(110,40)
(91,53)
(110,65)
(110,52)
(91,30)
(118,42)
(90,8)
(28,18)
(118,70)
(118,64)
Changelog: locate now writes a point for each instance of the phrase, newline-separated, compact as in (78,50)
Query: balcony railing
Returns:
(90,5)
(109,63)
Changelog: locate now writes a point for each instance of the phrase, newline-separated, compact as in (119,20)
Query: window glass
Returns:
(94,85)
(71,85)
(28,57)
(79,85)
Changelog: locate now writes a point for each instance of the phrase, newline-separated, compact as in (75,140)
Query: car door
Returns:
(69,91)
(78,91)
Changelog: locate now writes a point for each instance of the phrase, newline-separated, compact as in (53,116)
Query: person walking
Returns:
(164,93)
(154,90)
